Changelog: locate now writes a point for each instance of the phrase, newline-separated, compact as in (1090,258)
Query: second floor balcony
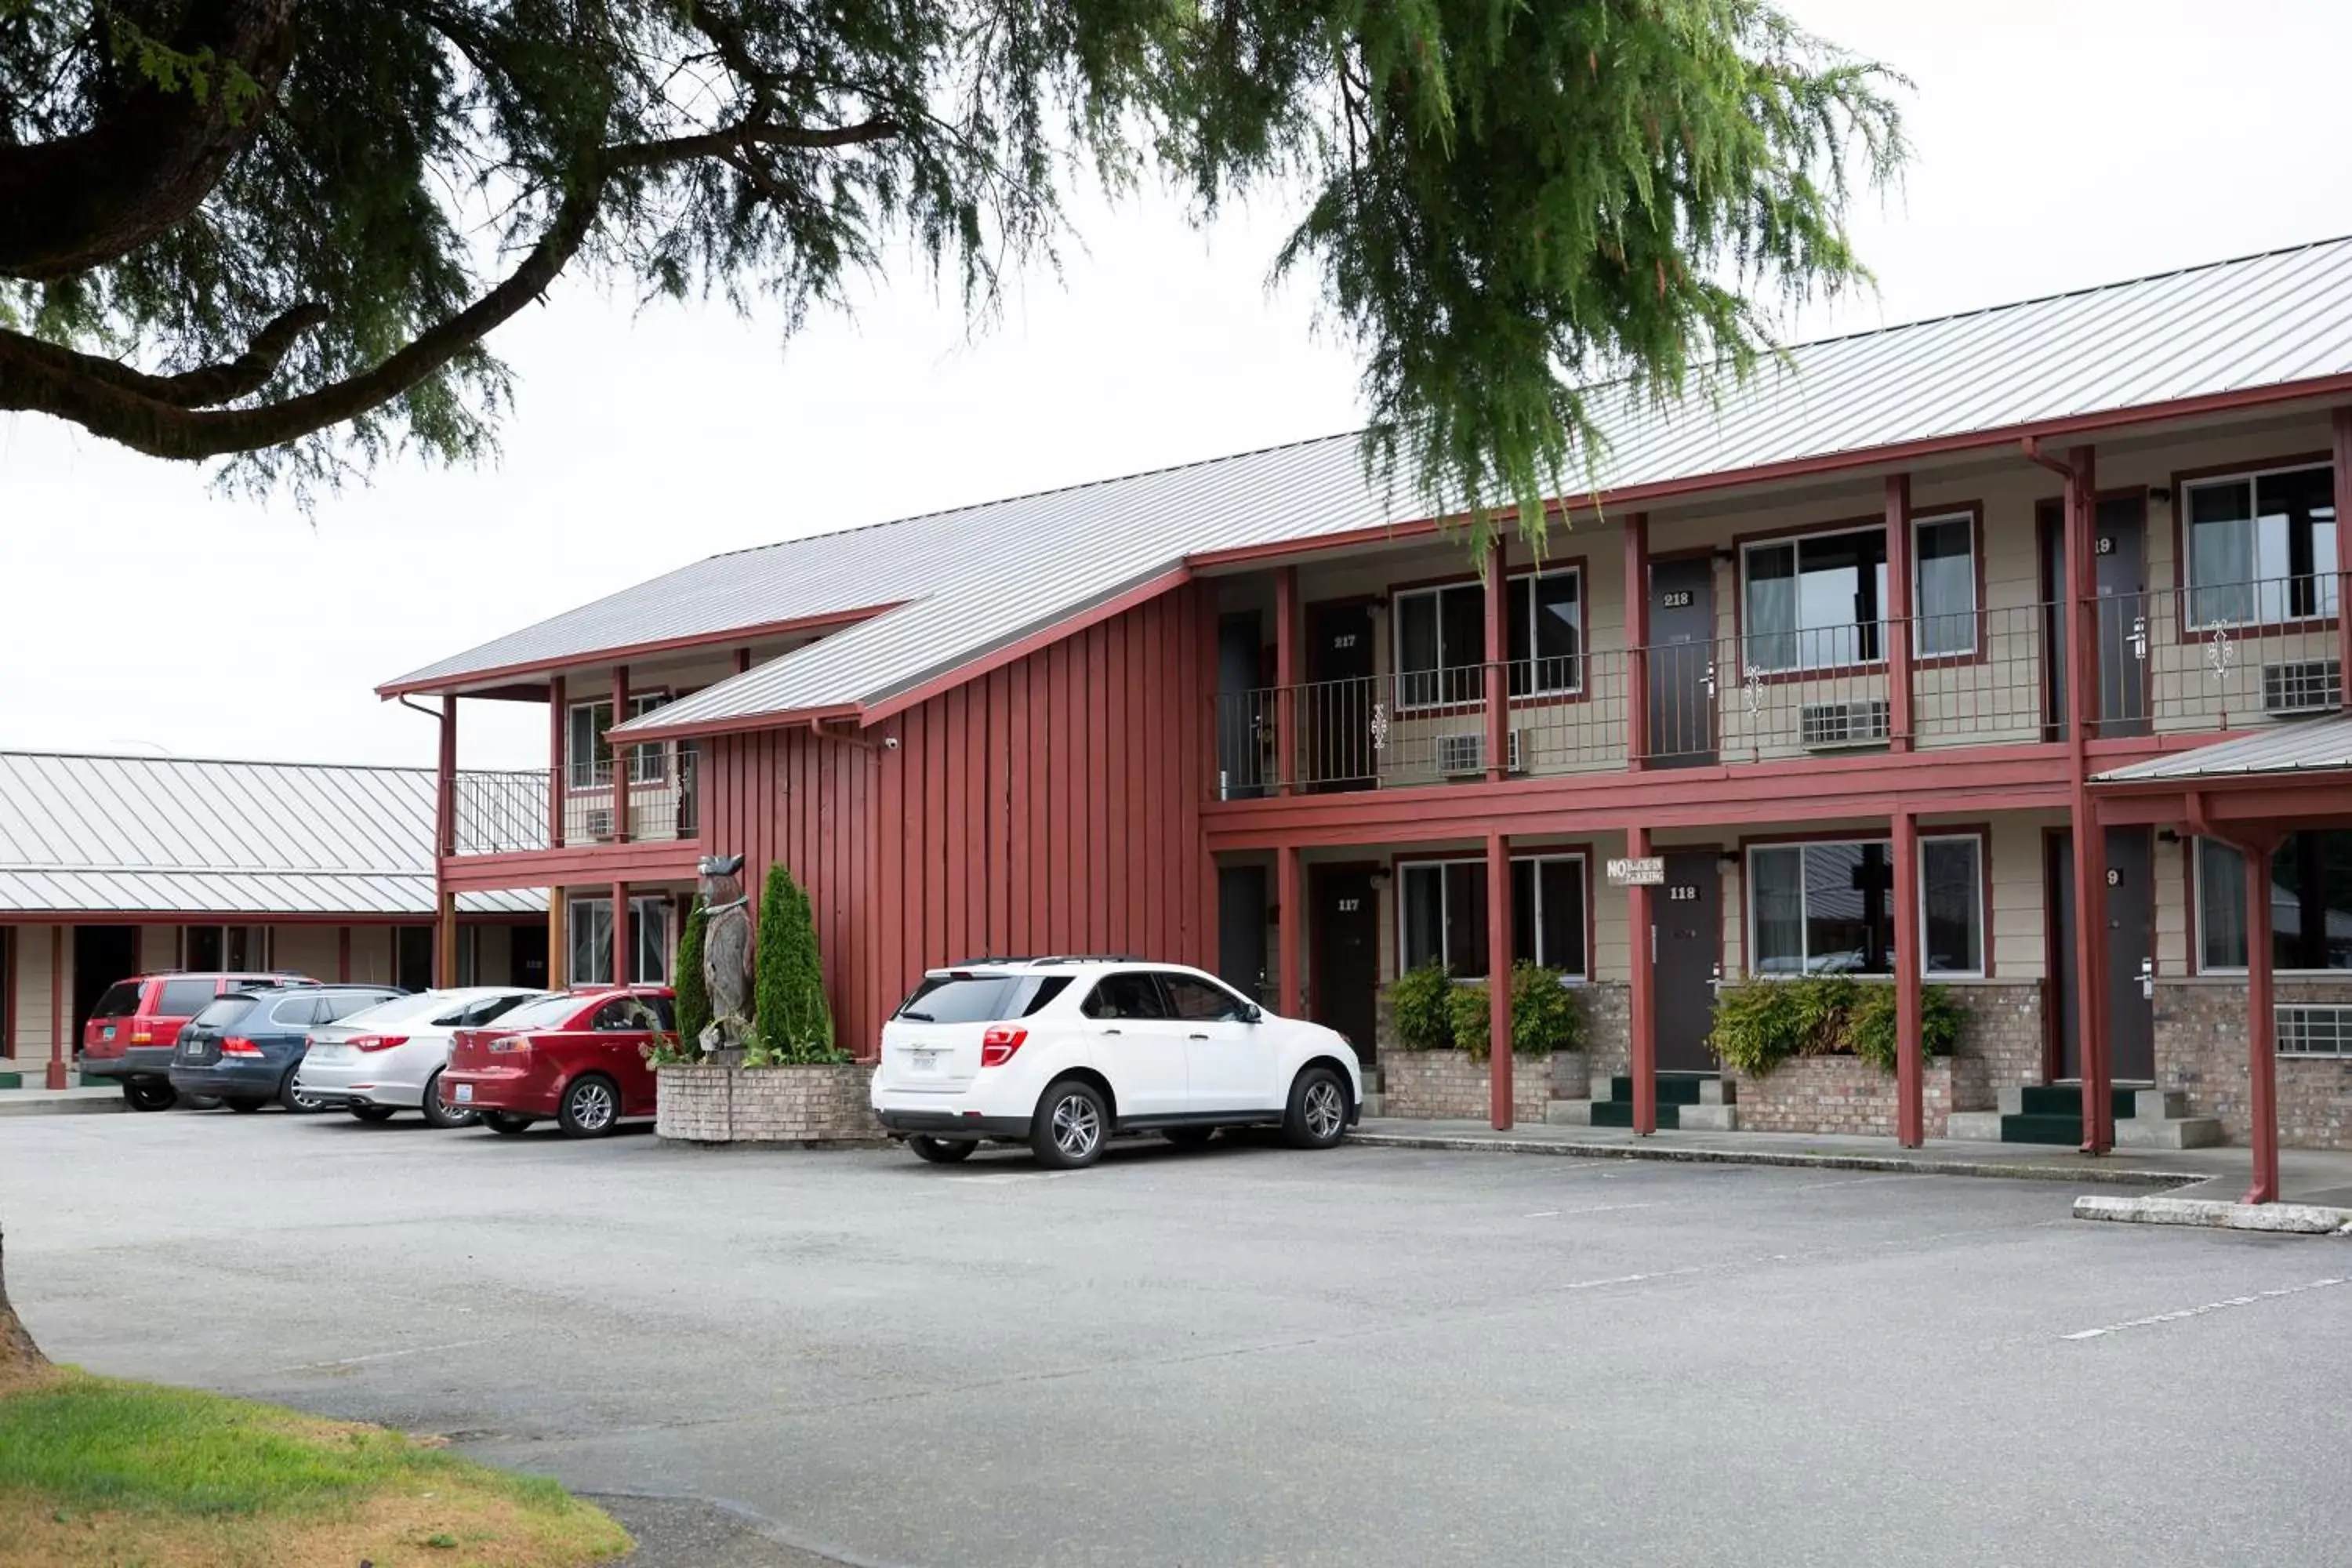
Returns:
(2166,662)
(579,806)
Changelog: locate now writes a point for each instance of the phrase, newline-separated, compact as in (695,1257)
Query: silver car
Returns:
(389,1058)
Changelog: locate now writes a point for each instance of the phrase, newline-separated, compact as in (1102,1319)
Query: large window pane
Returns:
(1527,942)
(2263,549)
(1561,918)
(1465,919)
(1829,615)
(2221,906)
(1441,644)
(1422,891)
(1952,891)
(1849,889)
(1946,599)
(1772,608)
(1777,898)
(1462,630)
(1547,633)
(2311,903)
(590,933)
(649,941)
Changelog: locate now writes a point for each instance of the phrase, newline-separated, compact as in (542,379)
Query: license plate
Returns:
(465,1092)
(106,1033)
(328,1053)
(923,1061)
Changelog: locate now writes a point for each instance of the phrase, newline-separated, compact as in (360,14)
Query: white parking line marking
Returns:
(1543,1214)
(2156,1318)
(386,1355)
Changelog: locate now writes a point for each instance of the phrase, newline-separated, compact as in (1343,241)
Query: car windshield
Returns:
(542,1014)
(120,1000)
(222,1012)
(980,998)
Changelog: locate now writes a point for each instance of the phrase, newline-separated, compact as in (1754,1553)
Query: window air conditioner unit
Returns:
(1827,724)
(1459,755)
(2300,686)
(599,822)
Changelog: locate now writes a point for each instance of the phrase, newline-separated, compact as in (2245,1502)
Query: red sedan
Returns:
(578,1055)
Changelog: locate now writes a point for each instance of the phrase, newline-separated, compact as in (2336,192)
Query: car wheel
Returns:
(150,1096)
(370,1112)
(1189,1137)
(942,1151)
(505,1121)
(1070,1125)
(1317,1117)
(589,1107)
(293,1099)
(440,1112)
(244,1104)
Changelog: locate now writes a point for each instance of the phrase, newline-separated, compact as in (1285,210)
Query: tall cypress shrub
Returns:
(794,1022)
(693,997)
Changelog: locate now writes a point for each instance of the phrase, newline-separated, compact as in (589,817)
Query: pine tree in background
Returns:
(791,1019)
(693,997)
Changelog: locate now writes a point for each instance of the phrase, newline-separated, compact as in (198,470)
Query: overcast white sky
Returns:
(2058,144)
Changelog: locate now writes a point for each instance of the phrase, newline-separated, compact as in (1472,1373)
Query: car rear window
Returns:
(222,1013)
(122,1000)
(981,998)
(542,1014)
(492,1007)
(184,998)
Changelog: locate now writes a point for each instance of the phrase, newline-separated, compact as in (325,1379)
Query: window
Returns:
(588,756)
(184,998)
(628,1014)
(543,1013)
(2261,547)
(1197,1000)
(2311,903)
(1547,633)
(1815,603)
(1441,644)
(300,1012)
(1944,592)
(589,930)
(1132,996)
(412,957)
(121,999)
(1443,913)
(1829,908)
(980,998)
(232,948)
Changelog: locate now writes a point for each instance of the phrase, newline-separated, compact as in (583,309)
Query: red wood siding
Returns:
(1052,805)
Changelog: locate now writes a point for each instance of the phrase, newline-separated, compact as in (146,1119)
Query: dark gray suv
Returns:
(244,1047)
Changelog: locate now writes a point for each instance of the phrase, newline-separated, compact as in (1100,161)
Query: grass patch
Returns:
(97,1471)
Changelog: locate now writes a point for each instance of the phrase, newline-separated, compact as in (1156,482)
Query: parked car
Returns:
(387,1058)
(577,1056)
(1065,1054)
(245,1048)
(136,1023)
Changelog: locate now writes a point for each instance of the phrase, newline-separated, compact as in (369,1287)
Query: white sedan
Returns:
(1062,1054)
(388,1057)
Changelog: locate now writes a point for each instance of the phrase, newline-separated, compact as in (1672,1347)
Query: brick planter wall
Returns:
(1441,1086)
(706,1103)
(2000,1043)
(1607,1034)
(2200,1049)
(1837,1094)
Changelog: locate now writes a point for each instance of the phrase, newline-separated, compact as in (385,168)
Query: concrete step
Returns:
(2168,1133)
(1719,1116)
(1974,1126)
(1374,1104)
(1568,1113)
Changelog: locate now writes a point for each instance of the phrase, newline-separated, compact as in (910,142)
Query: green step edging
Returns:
(2066,1100)
(1674,1087)
(2055,1130)
(12,1080)
(1619,1113)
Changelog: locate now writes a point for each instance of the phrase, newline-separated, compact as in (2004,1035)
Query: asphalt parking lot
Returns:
(1238,1355)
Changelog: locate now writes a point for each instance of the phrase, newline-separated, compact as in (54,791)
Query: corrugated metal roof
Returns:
(172,835)
(980,577)
(2312,745)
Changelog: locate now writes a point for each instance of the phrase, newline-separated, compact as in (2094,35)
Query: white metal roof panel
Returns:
(159,835)
(977,578)
(2312,745)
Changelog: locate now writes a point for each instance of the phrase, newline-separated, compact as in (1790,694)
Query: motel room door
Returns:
(1682,662)
(1686,937)
(1344,931)
(2131,941)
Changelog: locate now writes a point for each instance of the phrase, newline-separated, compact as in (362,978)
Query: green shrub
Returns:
(1422,1001)
(693,997)
(1544,1014)
(1465,1007)
(791,1021)
(1760,1024)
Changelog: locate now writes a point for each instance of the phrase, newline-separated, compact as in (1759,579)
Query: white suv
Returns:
(1064,1052)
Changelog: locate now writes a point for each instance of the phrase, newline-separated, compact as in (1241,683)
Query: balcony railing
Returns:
(1981,677)
(502,813)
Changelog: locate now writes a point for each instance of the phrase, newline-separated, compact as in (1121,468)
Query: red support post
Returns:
(1498,692)
(1900,640)
(56,1077)
(1498,979)
(1642,945)
(2262,1023)
(1910,1067)
(620,761)
(2342,420)
(1290,929)
(1637,640)
(1285,679)
(2090,838)
(445,844)
(620,934)
(557,713)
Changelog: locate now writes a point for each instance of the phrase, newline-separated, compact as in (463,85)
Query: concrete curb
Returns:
(1931,1165)
(70,1103)
(2284,1219)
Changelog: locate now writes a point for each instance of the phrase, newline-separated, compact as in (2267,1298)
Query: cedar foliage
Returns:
(693,995)
(791,1019)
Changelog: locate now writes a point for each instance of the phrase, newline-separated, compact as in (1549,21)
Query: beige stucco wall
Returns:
(28,1011)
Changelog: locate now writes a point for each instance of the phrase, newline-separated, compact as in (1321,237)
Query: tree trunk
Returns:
(17,1351)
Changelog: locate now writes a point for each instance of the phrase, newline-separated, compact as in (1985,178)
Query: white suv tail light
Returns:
(997,1046)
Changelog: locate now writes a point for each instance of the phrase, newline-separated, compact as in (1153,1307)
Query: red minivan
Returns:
(136,1023)
(577,1056)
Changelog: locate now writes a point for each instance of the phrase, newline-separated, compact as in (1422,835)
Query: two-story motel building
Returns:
(1988,651)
